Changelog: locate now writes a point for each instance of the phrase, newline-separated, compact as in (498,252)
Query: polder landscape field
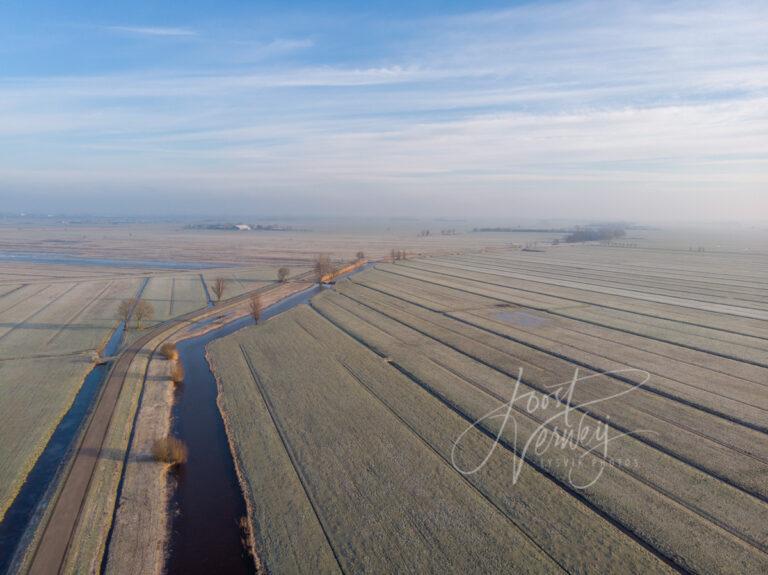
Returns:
(54,318)
(586,408)
(61,287)
(488,401)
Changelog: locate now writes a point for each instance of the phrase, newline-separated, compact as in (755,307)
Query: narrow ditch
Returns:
(20,522)
(28,508)
(207,505)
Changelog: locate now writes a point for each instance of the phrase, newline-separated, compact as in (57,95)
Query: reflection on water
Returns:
(206,536)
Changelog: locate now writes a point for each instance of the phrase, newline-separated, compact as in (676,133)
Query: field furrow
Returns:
(553,516)
(343,443)
(723,446)
(518,292)
(609,493)
(728,294)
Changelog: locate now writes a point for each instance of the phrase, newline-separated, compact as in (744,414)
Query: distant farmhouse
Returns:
(244,227)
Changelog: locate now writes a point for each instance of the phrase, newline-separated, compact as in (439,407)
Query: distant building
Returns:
(242,226)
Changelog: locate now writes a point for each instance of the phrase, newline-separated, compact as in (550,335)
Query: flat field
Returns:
(54,318)
(173,242)
(472,382)
(48,332)
(61,284)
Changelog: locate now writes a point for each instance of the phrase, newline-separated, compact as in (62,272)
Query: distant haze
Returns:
(638,111)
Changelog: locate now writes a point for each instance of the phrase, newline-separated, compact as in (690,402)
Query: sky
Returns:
(639,111)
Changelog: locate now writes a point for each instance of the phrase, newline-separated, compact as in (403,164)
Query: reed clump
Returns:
(169,450)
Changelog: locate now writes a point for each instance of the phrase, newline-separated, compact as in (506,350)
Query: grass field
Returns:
(342,470)
(241,280)
(336,411)
(174,295)
(407,356)
(56,314)
(171,241)
(48,332)
(53,319)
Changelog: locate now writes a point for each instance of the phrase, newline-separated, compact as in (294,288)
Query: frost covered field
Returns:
(55,318)
(49,328)
(367,415)
(61,285)
(264,249)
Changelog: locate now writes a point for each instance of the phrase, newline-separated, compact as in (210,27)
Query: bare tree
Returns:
(142,311)
(219,285)
(124,310)
(282,274)
(402,255)
(255,307)
(323,265)
(360,255)
(394,255)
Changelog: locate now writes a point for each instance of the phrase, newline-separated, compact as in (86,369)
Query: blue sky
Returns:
(639,111)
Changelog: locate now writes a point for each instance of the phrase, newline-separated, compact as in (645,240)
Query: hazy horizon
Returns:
(643,112)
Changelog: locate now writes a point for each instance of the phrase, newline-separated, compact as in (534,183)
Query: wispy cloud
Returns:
(152,30)
(641,107)
(287,44)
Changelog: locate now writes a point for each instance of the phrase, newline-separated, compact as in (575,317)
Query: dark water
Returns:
(205,289)
(45,258)
(208,503)
(23,516)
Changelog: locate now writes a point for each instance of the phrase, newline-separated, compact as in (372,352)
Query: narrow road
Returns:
(50,553)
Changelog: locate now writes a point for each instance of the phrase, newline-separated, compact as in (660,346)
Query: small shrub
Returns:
(168,351)
(169,450)
(177,372)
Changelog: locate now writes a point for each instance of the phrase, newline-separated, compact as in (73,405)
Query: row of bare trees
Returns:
(219,286)
(139,310)
(323,265)
(398,255)
(142,310)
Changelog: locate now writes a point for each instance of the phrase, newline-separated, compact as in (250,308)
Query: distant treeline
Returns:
(597,234)
(527,230)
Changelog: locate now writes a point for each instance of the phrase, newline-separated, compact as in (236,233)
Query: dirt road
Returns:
(49,555)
